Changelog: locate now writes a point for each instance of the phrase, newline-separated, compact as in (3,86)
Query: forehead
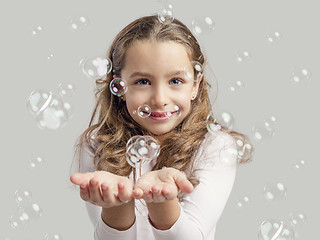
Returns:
(156,56)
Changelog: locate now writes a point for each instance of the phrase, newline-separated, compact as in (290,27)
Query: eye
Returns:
(143,82)
(176,81)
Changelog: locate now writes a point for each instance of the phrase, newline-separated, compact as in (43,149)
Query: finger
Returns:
(107,194)
(183,183)
(84,193)
(169,192)
(124,193)
(80,178)
(76,178)
(94,191)
(157,194)
(137,193)
(147,196)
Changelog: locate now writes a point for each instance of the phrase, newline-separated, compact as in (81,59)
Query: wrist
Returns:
(120,217)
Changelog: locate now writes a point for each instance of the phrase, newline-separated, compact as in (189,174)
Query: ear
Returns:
(195,89)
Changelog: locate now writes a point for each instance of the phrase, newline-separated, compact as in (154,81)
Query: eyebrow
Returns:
(141,74)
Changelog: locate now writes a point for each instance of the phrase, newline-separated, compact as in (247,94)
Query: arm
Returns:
(201,209)
(117,222)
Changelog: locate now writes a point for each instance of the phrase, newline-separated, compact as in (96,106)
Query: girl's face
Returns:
(155,74)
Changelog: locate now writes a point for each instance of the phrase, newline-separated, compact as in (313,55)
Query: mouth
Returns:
(160,116)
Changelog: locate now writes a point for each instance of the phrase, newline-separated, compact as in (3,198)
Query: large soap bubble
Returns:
(49,110)
(96,67)
(140,149)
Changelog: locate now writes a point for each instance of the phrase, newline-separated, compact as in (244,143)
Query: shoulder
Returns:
(217,150)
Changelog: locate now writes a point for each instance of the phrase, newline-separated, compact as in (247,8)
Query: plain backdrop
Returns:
(268,90)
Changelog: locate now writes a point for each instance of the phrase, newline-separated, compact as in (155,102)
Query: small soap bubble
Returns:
(243,202)
(50,56)
(165,14)
(243,56)
(54,236)
(79,22)
(228,156)
(244,149)
(17,221)
(118,87)
(212,125)
(22,195)
(299,164)
(265,130)
(96,67)
(273,37)
(297,219)
(194,72)
(234,86)
(172,111)
(275,230)
(35,162)
(143,111)
(300,76)
(202,25)
(224,119)
(36,30)
(66,89)
(274,191)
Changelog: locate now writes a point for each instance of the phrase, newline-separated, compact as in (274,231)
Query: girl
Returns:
(187,186)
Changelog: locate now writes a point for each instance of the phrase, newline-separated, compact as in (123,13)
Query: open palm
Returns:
(161,185)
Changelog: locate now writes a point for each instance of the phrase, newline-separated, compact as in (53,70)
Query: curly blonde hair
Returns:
(114,126)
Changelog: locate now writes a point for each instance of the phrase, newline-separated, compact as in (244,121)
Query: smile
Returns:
(160,116)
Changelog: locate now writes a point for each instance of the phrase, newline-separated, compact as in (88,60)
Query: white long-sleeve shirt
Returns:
(215,166)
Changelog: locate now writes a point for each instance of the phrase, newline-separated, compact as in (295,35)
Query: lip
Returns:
(158,116)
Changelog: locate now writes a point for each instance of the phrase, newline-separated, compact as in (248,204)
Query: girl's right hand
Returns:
(103,189)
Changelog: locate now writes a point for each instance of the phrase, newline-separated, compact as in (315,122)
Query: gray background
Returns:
(268,91)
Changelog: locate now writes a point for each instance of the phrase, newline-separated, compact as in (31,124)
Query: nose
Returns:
(159,97)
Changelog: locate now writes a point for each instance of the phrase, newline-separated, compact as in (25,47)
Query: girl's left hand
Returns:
(161,185)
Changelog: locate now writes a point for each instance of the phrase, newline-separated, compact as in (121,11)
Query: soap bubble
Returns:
(143,111)
(54,236)
(118,87)
(165,14)
(22,195)
(35,162)
(50,112)
(195,72)
(26,212)
(172,111)
(66,89)
(265,130)
(243,202)
(96,67)
(244,148)
(273,37)
(36,30)
(235,85)
(299,164)
(202,25)
(223,119)
(242,56)
(141,148)
(300,76)
(275,230)
(212,125)
(228,155)
(274,191)
(79,22)
(297,219)
(50,56)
